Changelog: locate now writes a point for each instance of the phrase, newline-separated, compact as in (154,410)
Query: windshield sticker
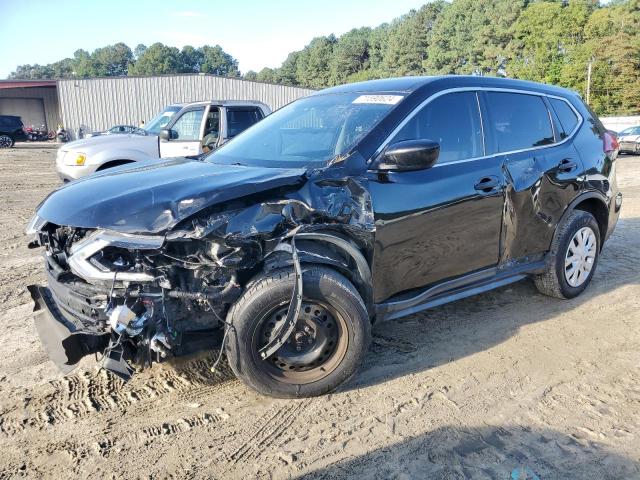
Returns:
(380,99)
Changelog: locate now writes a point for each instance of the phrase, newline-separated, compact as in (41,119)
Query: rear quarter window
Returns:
(568,118)
(518,121)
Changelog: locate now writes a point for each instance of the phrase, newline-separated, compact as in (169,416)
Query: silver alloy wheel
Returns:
(580,257)
(5,141)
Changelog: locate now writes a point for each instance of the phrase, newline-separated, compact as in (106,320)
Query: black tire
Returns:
(6,141)
(553,281)
(253,312)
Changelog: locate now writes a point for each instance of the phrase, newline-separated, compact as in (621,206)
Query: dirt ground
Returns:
(509,384)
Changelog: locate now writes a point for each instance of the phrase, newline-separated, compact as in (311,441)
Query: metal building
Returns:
(36,101)
(99,103)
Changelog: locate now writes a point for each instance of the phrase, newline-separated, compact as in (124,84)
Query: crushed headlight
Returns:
(81,253)
(35,225)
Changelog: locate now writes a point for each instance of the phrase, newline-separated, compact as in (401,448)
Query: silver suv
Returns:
(180,130)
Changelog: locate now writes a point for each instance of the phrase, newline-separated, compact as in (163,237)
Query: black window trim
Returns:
(477,90)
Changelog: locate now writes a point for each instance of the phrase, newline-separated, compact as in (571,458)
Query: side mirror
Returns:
(168,134)
(409,155)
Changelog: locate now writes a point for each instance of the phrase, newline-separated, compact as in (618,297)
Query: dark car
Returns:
(115,130)
(358,204)
(11,130)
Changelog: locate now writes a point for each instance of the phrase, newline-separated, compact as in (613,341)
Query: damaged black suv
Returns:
(357,204)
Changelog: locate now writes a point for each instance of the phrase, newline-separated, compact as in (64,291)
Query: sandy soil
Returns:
(509,384)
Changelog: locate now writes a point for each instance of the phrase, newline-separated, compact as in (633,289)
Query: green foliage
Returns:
(118,60)
(472,36)
(551,41)
(218,62)
(158,59)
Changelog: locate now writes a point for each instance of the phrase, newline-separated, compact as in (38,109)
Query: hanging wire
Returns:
(228,326)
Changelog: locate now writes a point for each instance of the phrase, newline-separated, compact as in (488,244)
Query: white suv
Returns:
(180,130)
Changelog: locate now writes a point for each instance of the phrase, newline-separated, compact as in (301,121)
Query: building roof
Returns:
(26,83)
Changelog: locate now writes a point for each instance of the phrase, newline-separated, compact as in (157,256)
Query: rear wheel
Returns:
(6,141)
(574,257)
(328,344)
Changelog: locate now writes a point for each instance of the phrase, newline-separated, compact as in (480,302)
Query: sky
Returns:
(257,33)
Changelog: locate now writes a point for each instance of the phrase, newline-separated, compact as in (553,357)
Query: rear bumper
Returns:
(628,147)
(63,337)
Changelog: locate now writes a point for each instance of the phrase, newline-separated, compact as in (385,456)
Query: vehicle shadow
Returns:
(459,329)
(506,452)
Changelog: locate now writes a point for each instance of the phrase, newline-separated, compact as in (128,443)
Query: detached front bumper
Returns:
(63,337)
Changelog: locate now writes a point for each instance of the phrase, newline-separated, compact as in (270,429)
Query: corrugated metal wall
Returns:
(47,94)
(620,123)
(101,103)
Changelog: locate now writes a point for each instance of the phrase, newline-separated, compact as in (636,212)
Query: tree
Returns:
(471,36)
(312,66)
(158,59)
(267,75)
(63,69)
(378,43)
(251,75)
(350,55)
(111,61)
(544,36)
(28,72)
(83,64)
(286,74)
(409,40)
(218,62)
(139,51)
(191,59)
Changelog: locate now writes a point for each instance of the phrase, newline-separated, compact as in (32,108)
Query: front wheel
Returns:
(6,141)
(328,344)
(574,257)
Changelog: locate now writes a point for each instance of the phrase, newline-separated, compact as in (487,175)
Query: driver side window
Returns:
(187,127)
(452,120)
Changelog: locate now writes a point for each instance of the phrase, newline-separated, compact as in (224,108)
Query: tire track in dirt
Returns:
(88,393)
(265,431)
(162,430)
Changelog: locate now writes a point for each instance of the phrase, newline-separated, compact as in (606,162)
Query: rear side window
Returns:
(452,120)
(518,121)
(566,115)
(10,122)
(239,119)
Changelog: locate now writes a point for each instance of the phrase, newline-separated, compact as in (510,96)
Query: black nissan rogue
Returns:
(357,204)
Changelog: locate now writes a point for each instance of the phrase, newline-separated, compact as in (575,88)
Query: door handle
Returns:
(567,165)
(487,184)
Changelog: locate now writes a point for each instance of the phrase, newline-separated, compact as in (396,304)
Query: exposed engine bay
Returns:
(138,299)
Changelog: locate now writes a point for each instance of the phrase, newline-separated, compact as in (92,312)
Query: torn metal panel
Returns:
(242,237)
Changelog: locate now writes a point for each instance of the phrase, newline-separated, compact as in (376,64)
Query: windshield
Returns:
(160,121)
(309,132)
(630,131)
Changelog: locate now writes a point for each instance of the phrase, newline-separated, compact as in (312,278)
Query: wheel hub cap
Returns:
(311,343)
(580,257)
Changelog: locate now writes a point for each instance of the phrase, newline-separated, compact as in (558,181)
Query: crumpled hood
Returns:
(153,197)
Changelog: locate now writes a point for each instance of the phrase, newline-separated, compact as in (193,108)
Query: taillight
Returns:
(609,142)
